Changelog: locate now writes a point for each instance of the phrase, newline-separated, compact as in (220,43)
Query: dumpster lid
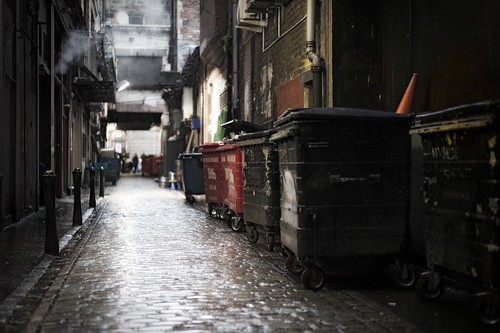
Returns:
(237,126)
(108,152)
(188,155)
(255,137)
(458,117)
(338,113)
(210,146)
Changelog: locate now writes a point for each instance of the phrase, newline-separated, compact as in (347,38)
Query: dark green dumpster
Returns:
(261,187)
(345,178)
(461,194)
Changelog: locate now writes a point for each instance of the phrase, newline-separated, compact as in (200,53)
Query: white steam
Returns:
(72,48)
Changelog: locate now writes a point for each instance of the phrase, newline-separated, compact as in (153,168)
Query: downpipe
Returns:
(235,77)
(311,51)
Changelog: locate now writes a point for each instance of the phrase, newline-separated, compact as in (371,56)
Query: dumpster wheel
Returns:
(227,215)
(237,223)
(252,233)
(190,198)
(425,291)
(292,264)
(270,242)
(211,210)
(488,308)
(313,278)
(405,275)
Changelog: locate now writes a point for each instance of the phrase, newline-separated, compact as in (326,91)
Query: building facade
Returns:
(57,75)
(274,55)
(152,41)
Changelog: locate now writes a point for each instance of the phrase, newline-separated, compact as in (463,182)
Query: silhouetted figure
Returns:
(135,162)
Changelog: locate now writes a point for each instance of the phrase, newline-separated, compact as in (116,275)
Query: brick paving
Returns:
(150,262)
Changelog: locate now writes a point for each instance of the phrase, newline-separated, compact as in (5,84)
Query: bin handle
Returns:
(338,179)
(321,144)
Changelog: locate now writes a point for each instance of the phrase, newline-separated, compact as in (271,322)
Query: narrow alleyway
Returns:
(154,263)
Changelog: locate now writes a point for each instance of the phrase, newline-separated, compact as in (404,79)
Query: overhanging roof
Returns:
(133,120)
(96,91)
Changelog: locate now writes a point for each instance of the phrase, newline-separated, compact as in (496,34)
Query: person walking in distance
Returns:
(135,162)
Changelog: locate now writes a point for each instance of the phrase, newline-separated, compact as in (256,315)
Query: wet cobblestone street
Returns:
(154,263)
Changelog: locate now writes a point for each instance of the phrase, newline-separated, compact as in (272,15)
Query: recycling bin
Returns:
(192,175)
(215,189)
(461,195)
(232,183)
(261,187)
(345,178)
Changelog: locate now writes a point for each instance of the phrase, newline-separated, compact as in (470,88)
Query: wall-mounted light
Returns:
(122,85)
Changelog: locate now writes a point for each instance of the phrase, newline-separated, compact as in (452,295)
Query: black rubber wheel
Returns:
(113,182)
(292,264)
(252,234)
(227,217)
(488,309)
(313,278)
(270,242)
(190,198)
(406,276)
(424,290)
(237,224)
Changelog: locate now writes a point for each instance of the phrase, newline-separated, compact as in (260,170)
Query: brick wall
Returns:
(214,18)
(188,29)
(279,61)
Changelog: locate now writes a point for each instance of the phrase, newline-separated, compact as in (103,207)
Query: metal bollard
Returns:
(49,187)
(92,188)
(1,212)
(101,182)
(77,206)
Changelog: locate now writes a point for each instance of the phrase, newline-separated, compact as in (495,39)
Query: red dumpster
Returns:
(212,175)
(146,165)
(155,164)
(232,179)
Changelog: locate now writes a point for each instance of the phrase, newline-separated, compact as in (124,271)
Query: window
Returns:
(136,19)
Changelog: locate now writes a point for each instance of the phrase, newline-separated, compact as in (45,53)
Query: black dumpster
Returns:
(261,187)
(345,178)
(192,175)
(461,193)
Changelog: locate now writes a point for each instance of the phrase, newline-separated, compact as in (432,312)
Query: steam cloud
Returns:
(73,47)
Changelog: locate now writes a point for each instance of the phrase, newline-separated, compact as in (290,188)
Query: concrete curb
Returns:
(66,243)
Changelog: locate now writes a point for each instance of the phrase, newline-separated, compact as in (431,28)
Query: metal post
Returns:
(77,206)
(1,202)
(92,188)
(49,188)
(101,182)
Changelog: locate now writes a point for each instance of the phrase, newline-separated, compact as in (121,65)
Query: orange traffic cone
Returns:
(404,106)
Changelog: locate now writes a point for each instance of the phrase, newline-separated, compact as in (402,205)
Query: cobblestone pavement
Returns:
(153,263)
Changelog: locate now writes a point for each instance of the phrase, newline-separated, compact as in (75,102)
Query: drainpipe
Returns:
(314,58)
(235,79)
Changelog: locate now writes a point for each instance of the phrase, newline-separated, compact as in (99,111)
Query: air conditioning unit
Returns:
(249,20)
